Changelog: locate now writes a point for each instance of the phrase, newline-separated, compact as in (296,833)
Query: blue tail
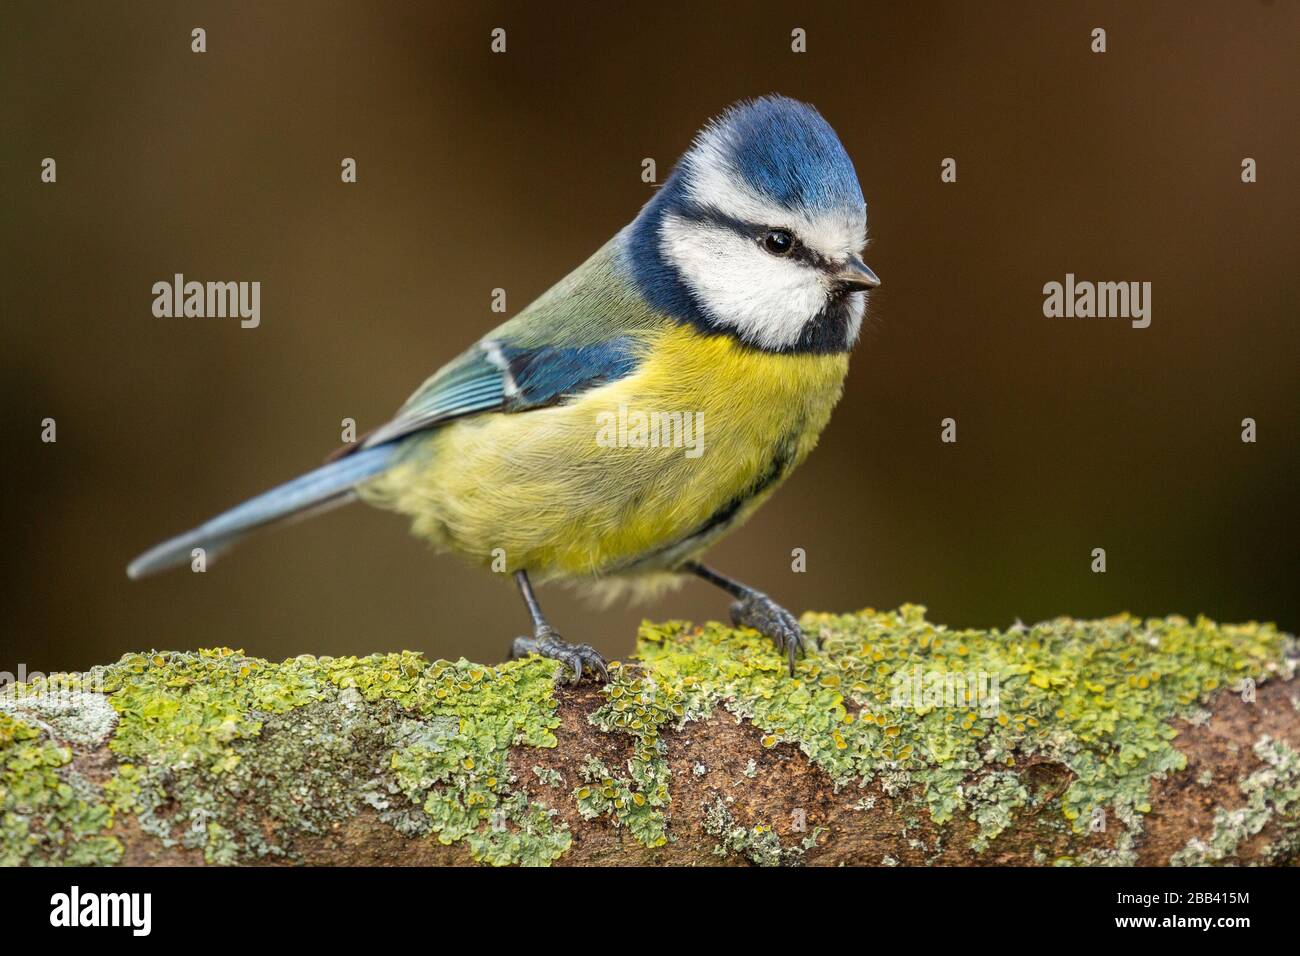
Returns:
(327,487)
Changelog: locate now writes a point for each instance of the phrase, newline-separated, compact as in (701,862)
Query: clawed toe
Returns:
(774,622)
(578,659)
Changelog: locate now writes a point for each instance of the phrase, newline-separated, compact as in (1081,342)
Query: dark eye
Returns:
(779,242)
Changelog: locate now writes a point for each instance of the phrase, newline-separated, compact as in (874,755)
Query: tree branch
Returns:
(899,741)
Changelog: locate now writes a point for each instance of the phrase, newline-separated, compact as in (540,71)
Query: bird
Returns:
(644,406)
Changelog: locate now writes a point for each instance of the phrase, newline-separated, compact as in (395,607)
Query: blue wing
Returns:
(497,376)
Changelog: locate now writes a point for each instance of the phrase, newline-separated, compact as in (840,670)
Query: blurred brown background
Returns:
(478,171)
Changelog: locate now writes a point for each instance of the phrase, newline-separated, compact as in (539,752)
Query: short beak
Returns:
(855,276)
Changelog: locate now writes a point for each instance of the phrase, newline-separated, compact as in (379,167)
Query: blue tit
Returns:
(645,405)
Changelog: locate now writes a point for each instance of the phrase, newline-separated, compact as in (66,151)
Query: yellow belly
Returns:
(580,490)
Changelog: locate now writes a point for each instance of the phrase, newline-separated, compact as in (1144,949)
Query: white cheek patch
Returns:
(713,183)
(765,299)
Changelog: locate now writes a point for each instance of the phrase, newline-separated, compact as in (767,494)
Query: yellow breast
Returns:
(632,476)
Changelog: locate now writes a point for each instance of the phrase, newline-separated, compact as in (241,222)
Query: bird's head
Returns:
(759,232)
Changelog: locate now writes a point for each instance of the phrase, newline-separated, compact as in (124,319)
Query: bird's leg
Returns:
(755,609)
(545,642)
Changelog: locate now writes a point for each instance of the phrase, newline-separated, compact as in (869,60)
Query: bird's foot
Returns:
(578,658)
(774,622)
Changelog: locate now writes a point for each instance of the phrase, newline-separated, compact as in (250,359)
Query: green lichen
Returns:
(759,844)
(1272,796)
(457,769)
(49,813)
(548,777)
(1099,697)
(993,800)
(64,707)
(604,792)
(241,758)
(636,704)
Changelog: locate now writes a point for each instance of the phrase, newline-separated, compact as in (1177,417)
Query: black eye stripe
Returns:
(799,252)
(802,253)
(754,231)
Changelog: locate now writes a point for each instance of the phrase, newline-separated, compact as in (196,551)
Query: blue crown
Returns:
(786,152)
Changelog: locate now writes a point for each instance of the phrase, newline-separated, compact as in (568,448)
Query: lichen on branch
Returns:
(899,739)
